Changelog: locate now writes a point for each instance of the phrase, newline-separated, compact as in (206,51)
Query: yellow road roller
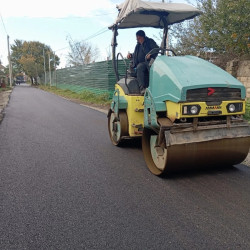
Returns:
(191,114)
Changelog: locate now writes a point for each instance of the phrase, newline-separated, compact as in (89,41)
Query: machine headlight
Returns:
(234,107)
(185,110)
(231,108)
(191,109)
(194,110)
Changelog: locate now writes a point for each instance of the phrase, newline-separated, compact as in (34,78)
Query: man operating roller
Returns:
(143,47)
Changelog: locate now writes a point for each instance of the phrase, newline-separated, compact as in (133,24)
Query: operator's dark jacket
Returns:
(148,45)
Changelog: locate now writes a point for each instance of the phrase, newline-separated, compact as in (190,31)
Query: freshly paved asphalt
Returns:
(63,185)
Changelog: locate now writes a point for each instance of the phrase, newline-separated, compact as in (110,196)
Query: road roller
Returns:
(191,114)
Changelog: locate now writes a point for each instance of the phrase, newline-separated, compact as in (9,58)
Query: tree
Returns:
(222,29)
(27,56)
(81,52)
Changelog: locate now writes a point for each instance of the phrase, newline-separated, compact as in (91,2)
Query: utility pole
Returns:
(9,58)
(36,74)
(45,80)
(55,68)
(49,71)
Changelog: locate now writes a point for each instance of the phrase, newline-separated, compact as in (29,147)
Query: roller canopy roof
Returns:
(137,13)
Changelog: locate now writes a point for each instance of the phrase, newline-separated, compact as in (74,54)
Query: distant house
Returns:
(2,68)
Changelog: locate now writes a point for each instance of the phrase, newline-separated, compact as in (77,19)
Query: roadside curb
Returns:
(84,105)
(98,109)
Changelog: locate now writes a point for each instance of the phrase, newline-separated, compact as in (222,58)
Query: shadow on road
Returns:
(131,143)
(136,143)
(189,173)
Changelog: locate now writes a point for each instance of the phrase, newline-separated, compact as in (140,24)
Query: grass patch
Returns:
(5,89)
(84,96)
(247,113)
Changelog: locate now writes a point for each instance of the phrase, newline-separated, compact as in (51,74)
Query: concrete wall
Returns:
(241,70)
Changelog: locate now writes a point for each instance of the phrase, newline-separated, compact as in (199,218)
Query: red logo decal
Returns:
(210,91)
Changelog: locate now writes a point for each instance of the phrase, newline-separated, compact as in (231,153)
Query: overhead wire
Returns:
(3,24)
(106,14)
(98,33)
(101,31)
(80,17)
(62,49)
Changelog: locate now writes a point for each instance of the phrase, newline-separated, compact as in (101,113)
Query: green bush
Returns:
(247,113)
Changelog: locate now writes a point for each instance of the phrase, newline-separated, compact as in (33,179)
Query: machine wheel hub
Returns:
(159,154)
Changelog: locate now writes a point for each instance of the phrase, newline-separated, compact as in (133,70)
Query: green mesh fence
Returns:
(96,77)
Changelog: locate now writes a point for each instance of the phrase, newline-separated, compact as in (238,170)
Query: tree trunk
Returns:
(31,78)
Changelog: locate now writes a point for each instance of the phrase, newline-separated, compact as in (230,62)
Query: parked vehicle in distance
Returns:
(19,80)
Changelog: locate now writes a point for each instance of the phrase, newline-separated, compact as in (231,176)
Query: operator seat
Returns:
(132,86)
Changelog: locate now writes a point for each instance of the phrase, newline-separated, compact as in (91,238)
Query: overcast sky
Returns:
(51,22)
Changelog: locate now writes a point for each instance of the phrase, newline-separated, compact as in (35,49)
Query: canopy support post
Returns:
(114,44)
(164,38)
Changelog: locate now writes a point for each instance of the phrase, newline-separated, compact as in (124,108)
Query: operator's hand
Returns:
(148,56)
(129,56)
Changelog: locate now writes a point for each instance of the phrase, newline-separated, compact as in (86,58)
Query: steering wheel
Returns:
(163,50)
(157,50)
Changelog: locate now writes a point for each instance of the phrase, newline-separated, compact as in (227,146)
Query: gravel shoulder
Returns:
(4,99)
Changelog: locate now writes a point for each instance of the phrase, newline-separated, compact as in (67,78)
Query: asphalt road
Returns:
(63,185)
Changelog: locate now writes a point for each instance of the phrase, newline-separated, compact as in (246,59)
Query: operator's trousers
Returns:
(142,75)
